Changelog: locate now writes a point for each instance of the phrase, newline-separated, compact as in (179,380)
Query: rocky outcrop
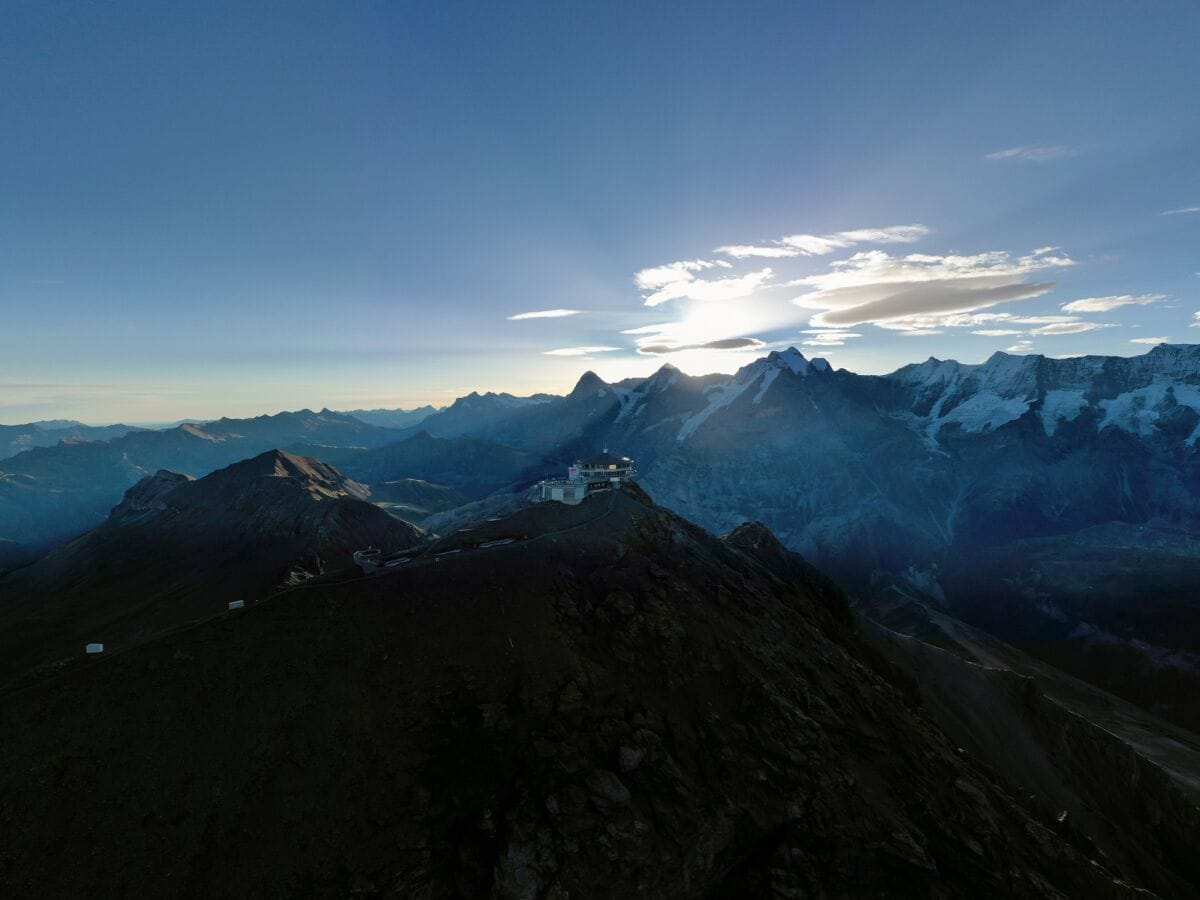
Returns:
(1106,772)
(147,495)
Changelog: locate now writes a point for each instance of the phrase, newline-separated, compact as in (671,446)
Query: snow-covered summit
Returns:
(1006,386)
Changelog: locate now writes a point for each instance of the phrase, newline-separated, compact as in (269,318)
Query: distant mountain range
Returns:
(15,439)
(1050,501)
(392,418)
(989,485)
(50,494)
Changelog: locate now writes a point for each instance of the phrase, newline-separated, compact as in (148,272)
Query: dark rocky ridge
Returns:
(178,549)
(616,704)
(1118,778)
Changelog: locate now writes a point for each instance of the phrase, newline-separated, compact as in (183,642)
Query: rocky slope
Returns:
(178,549)
(1117,776)
(13,556)
(413,499)
(615,704)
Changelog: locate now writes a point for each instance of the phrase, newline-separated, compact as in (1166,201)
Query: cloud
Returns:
(823,244)
(952,320)
(973,320)
(1071,327)
(1107,304)
(920,332)
(815,244)
(741,251)
(579,351)
(673,273)
(1196,324)
(1036,153)
(544,314)
(1150,340)
(1020,347)
(876,287)
(895,234)
(820,337)
(1042,320)
(721,344)
(703,289)
(1183,210)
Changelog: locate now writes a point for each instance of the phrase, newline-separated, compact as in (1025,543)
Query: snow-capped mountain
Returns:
(1132,394)
(931,474)
(970,483)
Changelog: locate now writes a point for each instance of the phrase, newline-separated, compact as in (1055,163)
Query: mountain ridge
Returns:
(648,707)
(178,548)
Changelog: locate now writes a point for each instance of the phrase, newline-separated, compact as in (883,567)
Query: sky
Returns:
(233,209)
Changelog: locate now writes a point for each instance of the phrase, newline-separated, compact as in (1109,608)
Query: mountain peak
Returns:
(589,383)
(662,379)
(1183,359)
(792,358)
(316,476)
(148,493)
(1000,357)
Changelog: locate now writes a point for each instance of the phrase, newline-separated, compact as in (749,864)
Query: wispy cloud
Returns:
(909,293)
(671,284)
(1020,347)
(579,351)
(1036,153)
(1071,327)
(823,244)
(649,329)
(1107,304)
(742,251)
(1150,340)
(1183,210)
(684,270)
(819,337)
(722,344)
(1196,323)
(878,288)
(544,314)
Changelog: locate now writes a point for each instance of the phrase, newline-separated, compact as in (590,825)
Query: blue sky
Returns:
(239,208)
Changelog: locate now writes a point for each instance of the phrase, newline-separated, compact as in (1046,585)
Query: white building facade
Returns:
(596,473)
